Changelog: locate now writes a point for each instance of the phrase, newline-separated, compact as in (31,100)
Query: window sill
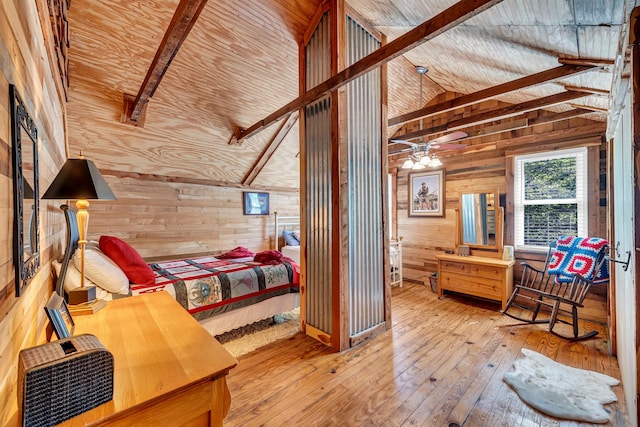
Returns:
(531,254)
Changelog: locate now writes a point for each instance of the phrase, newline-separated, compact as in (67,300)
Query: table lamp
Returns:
(80,179)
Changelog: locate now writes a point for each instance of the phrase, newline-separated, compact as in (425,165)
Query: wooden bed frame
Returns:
(282,223)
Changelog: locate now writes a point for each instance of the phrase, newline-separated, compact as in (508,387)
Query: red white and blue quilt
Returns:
(580,255)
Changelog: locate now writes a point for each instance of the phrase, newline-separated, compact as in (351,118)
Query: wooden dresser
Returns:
(475,275)
(168,369)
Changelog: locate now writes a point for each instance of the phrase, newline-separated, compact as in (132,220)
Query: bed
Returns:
(222,294)
(287,236)
(208,288)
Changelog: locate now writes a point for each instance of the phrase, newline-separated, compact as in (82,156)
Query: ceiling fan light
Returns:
(408,164)
(425,160)
(435,162)
(418,165)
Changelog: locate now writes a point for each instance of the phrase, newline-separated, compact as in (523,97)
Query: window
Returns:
(550,192)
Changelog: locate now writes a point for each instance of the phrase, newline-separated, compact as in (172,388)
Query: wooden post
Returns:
(343,323)
(339,251)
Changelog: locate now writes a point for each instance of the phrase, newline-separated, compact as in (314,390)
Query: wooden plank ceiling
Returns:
(239,64)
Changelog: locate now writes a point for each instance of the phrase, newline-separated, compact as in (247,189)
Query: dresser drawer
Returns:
(478,286)
(475,270)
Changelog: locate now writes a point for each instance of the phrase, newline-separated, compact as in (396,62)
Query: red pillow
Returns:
(239,252)
(268,257)
(273,258)
(128,259)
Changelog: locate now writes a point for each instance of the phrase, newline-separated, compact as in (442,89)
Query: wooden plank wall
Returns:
(170,219)
(484,166)
(25,47)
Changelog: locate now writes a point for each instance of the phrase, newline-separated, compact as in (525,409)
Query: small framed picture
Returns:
(426,193)
(59,316)
(255,203)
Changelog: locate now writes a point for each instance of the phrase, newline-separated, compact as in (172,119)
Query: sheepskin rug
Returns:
(559,390)
(251,337)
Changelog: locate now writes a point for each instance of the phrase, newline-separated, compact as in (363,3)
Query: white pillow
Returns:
(72,279)
(102,271)
(92,244)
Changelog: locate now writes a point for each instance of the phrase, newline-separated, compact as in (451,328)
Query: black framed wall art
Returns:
(255,203)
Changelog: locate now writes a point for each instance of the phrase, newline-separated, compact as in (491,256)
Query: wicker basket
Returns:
(433,281)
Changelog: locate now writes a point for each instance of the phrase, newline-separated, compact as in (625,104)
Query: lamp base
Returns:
(81,295)
(87,308)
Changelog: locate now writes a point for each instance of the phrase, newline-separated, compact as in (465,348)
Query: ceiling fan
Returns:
(420,157)
(420,153)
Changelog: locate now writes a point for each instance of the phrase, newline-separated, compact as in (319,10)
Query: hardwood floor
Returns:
(440,365)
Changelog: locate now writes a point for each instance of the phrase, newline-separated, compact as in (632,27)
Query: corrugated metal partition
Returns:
(366,259)
(318,187)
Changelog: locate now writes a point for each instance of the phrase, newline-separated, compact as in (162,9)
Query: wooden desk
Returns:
(475,275)
(168,369)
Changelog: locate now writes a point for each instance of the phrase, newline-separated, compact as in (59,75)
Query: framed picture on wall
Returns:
(426,193)
(59,316)
(255,203)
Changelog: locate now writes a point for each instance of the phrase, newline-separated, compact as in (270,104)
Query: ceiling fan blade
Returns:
(448,146)
(399,150)
(448,137)
(401,141)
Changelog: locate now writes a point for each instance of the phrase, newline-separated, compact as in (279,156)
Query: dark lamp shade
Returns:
(79,179)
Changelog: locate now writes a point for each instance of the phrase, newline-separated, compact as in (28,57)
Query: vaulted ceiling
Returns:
(515,38)
(239,63)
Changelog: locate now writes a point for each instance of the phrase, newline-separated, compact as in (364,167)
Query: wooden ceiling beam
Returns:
(270,148)
(590,90)
(395,148)
(234,136)
(198,181)
(552,118)
(424,32)
(520,122)
(592,108)
(492,92)
(496,114)
(184,18)
(586,61)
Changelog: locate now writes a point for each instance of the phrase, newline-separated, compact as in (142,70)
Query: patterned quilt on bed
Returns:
(206,286)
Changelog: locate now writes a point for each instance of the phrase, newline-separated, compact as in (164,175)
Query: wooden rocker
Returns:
(572,266)
(572,296)
(528,295)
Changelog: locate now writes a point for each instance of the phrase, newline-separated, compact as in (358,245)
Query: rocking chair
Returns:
(572,266)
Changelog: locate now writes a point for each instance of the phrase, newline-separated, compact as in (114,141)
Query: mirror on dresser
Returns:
(480,220)
(24,136)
